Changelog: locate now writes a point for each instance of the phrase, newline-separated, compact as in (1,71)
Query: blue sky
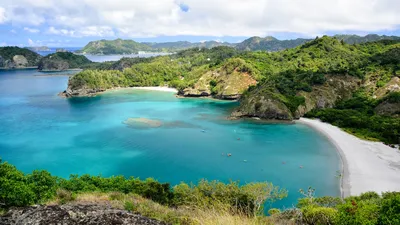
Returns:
(73,23)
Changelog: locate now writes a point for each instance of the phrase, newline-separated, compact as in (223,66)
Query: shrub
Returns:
(390,208)
(64,196)
(14,188)
(358,212)
(129,206)
(316,215)
(273,211)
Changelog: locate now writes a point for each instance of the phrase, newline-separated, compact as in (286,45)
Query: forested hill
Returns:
(120,46)
(60,61)
(269,43)
(321,74)
(15,57)
(355,39)
(182,45)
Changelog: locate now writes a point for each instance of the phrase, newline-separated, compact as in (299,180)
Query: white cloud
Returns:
(2,44)
(31,30)
(3,17)
(13,31)
(144,18)
(30,42)
(53,30)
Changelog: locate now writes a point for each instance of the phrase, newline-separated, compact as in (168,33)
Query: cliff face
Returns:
(227,82)
(14,57)
(269,104)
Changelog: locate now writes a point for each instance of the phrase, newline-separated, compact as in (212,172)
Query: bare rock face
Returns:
(74,214)
(20,61)
(81,92)
(265,104)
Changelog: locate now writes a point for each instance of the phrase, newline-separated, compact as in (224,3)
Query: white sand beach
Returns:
(367,165)
(166,89)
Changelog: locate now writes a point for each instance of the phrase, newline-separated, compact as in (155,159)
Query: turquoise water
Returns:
(40,130)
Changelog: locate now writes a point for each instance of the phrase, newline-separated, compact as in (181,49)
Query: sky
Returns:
(73,23)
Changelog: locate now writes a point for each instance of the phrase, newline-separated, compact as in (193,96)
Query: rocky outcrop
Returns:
(74,214)
(387,108)
(80,92)
(15,57)
(269,104)
(228,82)
(20,61)
(264,106)
(392,86)
(17,61)
(53,65)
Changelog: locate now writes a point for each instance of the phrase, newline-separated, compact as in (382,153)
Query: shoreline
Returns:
(366,165)
(164,89)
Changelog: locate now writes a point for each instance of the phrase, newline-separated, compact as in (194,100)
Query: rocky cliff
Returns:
(15,57)
(228,82)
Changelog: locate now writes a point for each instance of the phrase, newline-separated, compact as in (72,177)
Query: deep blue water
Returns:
(40,130)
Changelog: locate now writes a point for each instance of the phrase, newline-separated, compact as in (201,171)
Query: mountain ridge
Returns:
(268,43)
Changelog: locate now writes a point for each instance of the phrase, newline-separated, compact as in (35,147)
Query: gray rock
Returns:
(20,61)
(74,214)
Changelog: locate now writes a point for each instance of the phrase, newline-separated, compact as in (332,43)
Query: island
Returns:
(60,61)
(15,57)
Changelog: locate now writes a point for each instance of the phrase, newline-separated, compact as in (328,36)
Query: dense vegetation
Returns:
(62,61)
(183,45)
(19,189)
(179,70)
(316,75)
(186,204)
(118,46)
(269,43)
(357,115)
(355,39)
(7,53)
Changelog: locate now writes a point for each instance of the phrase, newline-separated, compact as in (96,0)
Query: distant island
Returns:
(15,57)
(270,44)
(39,49)
(62,60)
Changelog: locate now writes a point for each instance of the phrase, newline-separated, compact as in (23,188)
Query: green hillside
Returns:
(8,57)
(303,81)
(63,61)
(118,46)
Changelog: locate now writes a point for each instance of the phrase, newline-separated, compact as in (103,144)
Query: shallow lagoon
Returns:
(40,130)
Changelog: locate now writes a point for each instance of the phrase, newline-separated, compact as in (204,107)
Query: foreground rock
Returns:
(74,214)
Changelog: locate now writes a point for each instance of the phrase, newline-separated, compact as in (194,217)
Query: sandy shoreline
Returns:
(165,89)
(367,165)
